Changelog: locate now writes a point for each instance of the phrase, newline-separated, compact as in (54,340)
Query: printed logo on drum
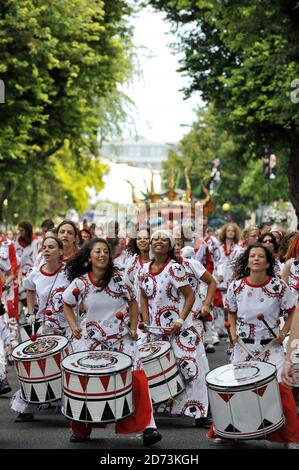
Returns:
(41,345)
(99,360)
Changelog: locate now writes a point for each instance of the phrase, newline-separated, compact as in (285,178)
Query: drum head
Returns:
(153,350)
(97,362)
(240,374)
(46,345)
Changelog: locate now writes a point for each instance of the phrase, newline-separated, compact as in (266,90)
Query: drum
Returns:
(97,386)
(38,367)
(164,377)
(245,400)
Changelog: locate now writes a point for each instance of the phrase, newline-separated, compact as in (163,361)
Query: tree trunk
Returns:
(293,171)
(4,195)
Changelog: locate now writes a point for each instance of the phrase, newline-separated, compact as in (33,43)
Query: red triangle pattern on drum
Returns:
(16,364)
(168,356)
(67,377)
(124,377)
(42,365)
(57,359)
(226,396)
(83,381)
(260,391)
(27,365)
(105,381)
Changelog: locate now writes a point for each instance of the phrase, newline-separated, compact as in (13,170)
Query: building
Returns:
(138,152)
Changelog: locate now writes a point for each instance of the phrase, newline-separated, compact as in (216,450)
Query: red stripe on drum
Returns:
(105,381)
(124,377)
(42,365)
(84,379)
(151,377)
(57,359)
(67,377)
(105,394)
(226,396)
(260,391)
(27,366)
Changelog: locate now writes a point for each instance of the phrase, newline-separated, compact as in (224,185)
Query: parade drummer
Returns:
(256,290)
(44,287)
(104,291)
(291,268)
(166,302)
(138,248)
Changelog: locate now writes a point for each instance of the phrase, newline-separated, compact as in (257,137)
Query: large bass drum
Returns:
(97,386)
(38,367)
(164,378)
(245,400)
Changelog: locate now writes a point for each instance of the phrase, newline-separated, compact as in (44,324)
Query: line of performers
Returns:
(165,285)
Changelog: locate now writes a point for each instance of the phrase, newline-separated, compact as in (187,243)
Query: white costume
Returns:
(246,300)
(165,302)
(101,329)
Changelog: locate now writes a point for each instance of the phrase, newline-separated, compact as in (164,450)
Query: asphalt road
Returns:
(50,430)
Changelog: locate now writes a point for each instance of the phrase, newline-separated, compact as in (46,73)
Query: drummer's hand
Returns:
(76,332)
(176,327)
(30,318)
(288,375)
(280,337)
(133,333)
(205,310)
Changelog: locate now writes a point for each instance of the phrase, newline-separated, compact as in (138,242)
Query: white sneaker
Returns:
(292,445)
(210,348)
(215,340)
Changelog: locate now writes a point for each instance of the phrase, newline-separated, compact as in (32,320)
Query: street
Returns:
(50,430)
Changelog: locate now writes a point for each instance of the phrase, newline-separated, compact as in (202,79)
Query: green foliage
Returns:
(62,63)
(243,56)
(242,184)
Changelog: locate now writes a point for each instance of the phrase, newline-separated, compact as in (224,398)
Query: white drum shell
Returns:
(246,413)
(97,398)
(164,378)
(40,377)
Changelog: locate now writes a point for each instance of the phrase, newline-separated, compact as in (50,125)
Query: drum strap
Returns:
(47,301)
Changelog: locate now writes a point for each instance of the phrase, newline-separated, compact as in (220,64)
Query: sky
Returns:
(161,113)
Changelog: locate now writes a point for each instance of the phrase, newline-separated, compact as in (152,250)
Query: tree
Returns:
(242,185)
(243,56)
(61,63)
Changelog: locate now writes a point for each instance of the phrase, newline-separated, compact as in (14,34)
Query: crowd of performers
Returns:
(188,290)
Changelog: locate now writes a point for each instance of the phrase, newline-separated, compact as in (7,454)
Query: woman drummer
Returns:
(166,303)
(44,287)
(104,291)
(255,302)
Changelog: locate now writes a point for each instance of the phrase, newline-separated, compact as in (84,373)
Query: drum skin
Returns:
(164,377)
(38,367)
(245,400)
(97,387)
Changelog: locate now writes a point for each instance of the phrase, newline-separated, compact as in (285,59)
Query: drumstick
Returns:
(227,326)
(76,293)
(260,316)
(144,326)
(33,335)
(120,316)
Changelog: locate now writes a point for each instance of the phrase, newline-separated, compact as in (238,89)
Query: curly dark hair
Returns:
(240,266)
(80,263)
(132,247)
